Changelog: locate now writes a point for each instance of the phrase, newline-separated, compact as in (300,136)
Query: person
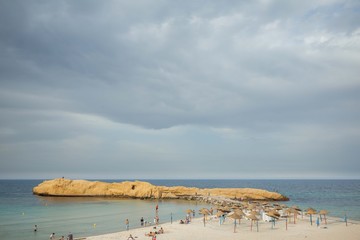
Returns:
(154,237)
(181,221)
(161,230)
(157,220)
(127,224)
(70,236)
(150,234)
(142,221)
(131,237)
(62,238)
(52,236)
(318,222)
(193,212)
(35,228)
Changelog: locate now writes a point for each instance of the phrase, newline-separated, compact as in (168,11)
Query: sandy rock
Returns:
(138,189)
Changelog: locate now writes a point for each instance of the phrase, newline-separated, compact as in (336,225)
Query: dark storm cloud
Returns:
(105,73)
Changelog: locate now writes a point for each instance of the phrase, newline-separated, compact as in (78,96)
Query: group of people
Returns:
(153,233)
(53,237)
(143,223)
(188,217)
(69,237)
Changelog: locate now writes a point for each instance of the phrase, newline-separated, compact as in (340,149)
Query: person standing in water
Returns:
(127,224)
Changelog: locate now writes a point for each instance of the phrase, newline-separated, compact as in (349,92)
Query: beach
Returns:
(334,229)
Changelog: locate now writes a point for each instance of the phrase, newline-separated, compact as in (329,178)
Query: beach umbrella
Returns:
(310,212)
(253,218)
(219,213)
(278,208)
(274,215)
(323,212)
(296,207)
(234,216)
(205,212)
(225,209)
(255,213)
(251,207)
(295,210)
(286,221)
(239,211)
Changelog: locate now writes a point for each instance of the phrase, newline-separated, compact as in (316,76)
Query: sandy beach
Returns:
(334,229)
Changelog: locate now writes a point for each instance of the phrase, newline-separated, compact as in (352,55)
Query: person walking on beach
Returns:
(70,236)
(127,224)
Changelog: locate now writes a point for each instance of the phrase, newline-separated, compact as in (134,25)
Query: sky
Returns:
(179,89)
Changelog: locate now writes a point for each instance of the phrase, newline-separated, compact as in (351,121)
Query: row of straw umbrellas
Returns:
(251,211)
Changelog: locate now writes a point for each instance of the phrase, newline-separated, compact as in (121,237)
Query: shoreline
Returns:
(334,229)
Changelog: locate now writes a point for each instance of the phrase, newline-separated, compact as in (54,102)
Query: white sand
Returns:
(335,229)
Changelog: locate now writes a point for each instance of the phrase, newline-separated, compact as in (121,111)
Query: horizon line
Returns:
(125,179)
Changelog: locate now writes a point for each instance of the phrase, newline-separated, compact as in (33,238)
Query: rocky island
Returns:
(79,188)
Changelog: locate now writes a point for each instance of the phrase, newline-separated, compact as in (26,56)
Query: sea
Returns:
(20,210)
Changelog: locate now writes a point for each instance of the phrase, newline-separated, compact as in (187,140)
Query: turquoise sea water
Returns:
(20,210)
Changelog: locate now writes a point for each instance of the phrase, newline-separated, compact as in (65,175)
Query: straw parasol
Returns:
(274,215)
(251,206)
(255,213)
(205,212)
(219,213)
(234,216)
(253,218)
(239,211)
(225,209)
(323,212)
(295,210)
(310,212)
(278,208)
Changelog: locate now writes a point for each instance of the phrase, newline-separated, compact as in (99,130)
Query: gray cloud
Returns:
(268,82)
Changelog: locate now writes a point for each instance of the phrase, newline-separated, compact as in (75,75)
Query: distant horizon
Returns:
(141,179)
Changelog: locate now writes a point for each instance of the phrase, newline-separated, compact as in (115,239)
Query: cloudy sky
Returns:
(179,89)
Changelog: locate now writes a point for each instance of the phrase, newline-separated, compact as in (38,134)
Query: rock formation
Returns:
(138,189)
